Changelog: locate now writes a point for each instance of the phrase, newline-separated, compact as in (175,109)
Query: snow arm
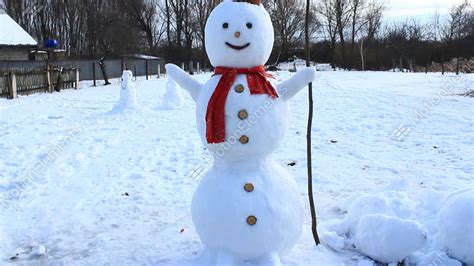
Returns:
(184,80)
(290,87)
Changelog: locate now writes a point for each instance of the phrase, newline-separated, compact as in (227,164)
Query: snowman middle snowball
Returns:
(247,207)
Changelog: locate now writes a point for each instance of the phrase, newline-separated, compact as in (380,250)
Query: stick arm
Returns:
(290,87)
(184,80)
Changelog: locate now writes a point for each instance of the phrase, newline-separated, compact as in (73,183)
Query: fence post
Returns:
(182,66)
(146,69)
(159,70)
(48,78)
(76,82)
(197,68)
(12,85)
(93,73)
(191,67)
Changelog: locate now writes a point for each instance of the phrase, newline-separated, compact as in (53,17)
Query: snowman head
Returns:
(239,34)
(127,75)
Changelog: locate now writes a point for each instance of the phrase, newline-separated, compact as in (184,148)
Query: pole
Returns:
(93,73)
(308,135)
(146,69)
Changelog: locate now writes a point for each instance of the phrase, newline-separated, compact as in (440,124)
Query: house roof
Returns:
(13,34)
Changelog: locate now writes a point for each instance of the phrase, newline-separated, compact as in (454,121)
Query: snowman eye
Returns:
(225,25)
(249,25)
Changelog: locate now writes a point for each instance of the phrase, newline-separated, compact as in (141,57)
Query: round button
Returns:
(243,114)
(244,139)
(251,220)
(239,88)
(249,187)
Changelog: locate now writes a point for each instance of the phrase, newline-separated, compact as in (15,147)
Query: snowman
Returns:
(128,98)
(246,207)
(173,97)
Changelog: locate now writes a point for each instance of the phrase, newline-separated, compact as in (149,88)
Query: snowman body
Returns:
(224,202)
(245,181)
(246,207)
(265,124)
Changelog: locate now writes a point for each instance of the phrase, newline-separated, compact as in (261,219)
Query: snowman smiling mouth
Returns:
(235,47)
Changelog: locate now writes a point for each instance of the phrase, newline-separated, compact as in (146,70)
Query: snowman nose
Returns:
(237,34)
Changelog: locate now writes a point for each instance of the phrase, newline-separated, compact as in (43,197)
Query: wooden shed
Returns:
(15,42)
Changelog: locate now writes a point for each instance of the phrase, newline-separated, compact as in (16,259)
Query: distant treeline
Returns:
(349,34)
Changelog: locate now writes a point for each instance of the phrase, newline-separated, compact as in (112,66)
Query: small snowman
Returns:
(247,207)
(128,97)
(173,97)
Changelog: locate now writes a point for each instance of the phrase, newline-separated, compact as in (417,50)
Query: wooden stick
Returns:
(308,135)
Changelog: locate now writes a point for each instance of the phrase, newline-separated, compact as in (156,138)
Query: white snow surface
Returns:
(13,34)
(83,187)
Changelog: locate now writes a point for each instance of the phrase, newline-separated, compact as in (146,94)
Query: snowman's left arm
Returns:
(290,87)
(184,80)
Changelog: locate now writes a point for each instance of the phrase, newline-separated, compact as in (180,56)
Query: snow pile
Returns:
(388,239)
(389,226)
(456,226)
(290,65)
(128,97)
(173,97)
(301,63)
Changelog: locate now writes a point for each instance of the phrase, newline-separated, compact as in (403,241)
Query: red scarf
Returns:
(215,116)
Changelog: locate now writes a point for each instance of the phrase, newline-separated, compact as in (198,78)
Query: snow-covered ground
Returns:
(81,185)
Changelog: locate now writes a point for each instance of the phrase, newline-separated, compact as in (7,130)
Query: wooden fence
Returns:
(26,82)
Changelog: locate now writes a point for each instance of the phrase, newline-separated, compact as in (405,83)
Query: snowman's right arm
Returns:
(184,80)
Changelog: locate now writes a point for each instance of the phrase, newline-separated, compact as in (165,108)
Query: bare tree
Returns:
(456,29)
(288,22)
(144,16)
(325,9)
(356,10)
(342,16)
(372,22)
(201,9)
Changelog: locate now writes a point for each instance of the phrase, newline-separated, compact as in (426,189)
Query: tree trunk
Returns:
(332,52)
(362,54)
(149,37)
(457,65)
(343,48)
(168,23)
(101,63)
(401,64)
(353,35)
(442,59)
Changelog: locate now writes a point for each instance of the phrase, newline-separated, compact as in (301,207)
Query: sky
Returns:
(422,9)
